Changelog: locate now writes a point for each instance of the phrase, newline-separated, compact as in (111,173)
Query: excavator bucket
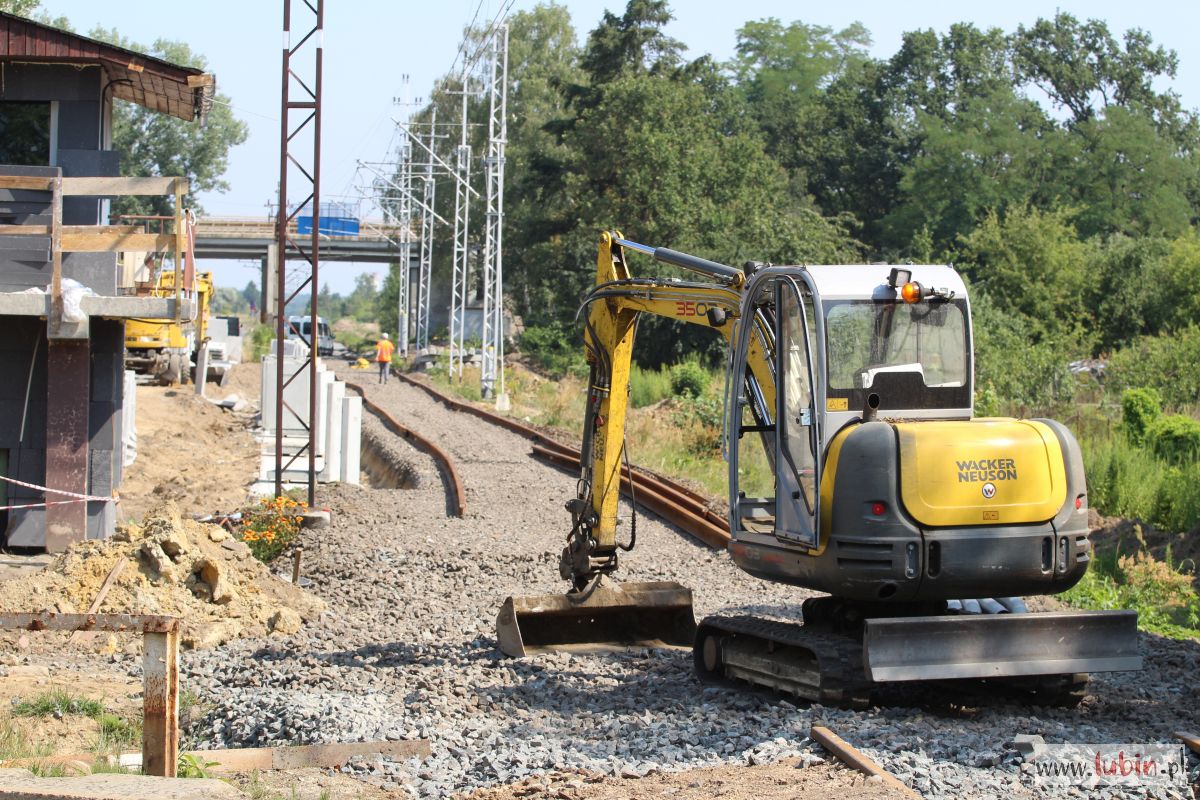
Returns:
(654,613)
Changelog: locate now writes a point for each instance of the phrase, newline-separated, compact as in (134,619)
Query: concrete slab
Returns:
(20,784)
(38,305)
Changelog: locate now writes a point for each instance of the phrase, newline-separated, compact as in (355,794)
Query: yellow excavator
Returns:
(857,469)
(163,348)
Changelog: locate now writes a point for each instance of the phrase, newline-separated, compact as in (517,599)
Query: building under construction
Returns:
(68,279)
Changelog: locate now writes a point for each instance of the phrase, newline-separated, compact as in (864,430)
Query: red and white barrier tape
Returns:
(78,498)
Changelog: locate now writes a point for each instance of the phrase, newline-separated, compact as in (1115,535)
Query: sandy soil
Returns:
(191,451)
(73,733)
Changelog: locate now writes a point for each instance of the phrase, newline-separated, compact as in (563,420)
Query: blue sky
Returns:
(369,44)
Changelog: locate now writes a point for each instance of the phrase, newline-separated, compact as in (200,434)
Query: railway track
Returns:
(455,494)
(679,505)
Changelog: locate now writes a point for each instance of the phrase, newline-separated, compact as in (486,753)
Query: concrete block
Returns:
(295,414)
(101,519)
(102,433)
(335,395)
(28,465)
(100,472)
(110,786)
(97,271)
(107,376)
(26,528)
(351,439)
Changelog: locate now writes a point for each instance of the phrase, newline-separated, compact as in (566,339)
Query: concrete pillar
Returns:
(68,388)
(351,438)
(335,396)
(201,368)
(324,420)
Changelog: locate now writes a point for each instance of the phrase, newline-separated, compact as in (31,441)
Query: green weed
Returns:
(58,703)
(1161,593)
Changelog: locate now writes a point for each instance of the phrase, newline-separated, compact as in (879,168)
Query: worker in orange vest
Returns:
(383,354)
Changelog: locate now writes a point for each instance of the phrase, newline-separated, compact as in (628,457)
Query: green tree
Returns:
(1033,264)
(995,153)
(23,8)
(1129,178)
(1084,69)
(783,70)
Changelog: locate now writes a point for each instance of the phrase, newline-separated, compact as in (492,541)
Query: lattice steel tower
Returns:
(493,261)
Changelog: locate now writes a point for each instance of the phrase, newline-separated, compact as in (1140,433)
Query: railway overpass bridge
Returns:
(240,238)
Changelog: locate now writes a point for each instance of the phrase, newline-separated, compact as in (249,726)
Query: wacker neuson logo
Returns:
(987,469)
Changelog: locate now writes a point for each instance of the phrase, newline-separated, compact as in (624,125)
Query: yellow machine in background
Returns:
(163,348)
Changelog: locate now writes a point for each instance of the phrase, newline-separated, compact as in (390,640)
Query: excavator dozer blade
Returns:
(611,614)
(1000,645)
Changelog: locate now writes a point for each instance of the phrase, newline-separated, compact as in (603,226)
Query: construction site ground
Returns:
(406,649)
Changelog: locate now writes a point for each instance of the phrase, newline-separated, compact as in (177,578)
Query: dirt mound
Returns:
(197,572)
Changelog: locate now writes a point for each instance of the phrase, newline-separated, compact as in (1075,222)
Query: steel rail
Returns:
(676,503)
(455,494)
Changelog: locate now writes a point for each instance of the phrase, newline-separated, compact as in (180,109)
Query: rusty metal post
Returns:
(160,703)
(289,247)
(68,377)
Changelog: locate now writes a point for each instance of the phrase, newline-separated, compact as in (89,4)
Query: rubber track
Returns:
(839,656)
(680,505)
(456,499)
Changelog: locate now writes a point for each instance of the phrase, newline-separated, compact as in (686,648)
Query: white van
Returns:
(298,328)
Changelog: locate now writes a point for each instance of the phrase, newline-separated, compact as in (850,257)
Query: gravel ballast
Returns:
(407,649)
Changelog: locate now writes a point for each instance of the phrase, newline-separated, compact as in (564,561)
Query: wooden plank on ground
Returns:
(314,755)
(1190,739)
(856,759)
(109,580)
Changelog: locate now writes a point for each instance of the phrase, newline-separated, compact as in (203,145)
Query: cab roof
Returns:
(869,281)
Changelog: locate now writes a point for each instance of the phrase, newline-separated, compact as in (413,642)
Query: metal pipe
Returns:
(675,258)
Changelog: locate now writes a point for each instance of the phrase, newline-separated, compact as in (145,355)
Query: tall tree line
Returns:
(1053,164)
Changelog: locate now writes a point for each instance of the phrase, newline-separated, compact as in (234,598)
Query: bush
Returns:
(258,343)
(1166,362)
(1127,480)
(700,417)
(270,528)
(648,386)
(1175,438)
(688,379)
(1139,409)
(1162,595)
(556,348)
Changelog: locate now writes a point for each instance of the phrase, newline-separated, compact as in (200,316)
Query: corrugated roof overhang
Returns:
(158,85)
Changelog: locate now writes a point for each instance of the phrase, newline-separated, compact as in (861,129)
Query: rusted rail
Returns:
(160,673)
(676,503)
(455,496)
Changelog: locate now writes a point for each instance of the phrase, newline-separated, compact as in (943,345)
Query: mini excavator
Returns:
(857,469)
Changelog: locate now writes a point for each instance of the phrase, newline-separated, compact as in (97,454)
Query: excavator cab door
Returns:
(797,465)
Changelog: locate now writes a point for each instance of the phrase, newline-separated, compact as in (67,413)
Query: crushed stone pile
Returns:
(198,572)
